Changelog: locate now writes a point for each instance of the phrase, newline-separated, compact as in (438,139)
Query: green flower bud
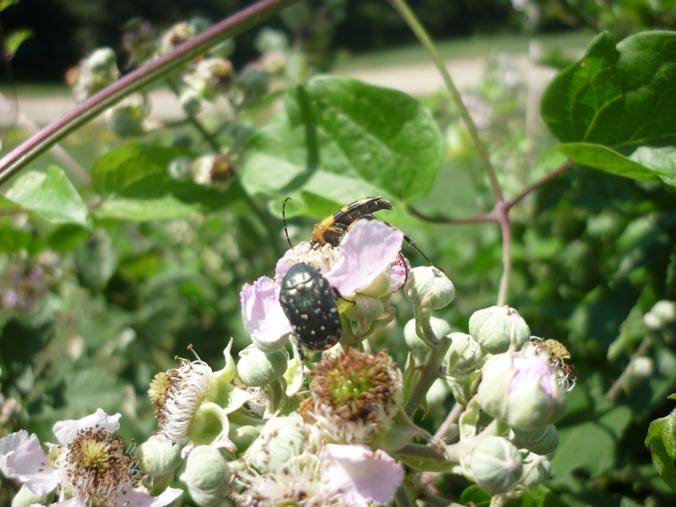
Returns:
(179,168)
(536,469)
(415,342)
(127,118)
(464,387)
(523,391)
(464,356)
(25,498)
(190,101)
(660,315)
(495,464)
(640,368)
(159,456)
(499,328)
(206,475)
(437,393)
(102,60)
(541,441)
(257,368)
(366,308)
(281,439)
(429,288)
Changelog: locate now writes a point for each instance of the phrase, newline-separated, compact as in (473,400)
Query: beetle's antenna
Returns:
(286,232)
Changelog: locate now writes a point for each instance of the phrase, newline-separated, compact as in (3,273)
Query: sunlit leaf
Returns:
(50,195)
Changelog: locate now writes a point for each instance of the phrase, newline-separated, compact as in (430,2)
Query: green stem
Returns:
(134,81)
(241,419)
(277,395)
(429,375)
(422,35)
(423,328)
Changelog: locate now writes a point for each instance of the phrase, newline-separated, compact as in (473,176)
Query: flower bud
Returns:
(541,441)
(523,391)
(437,393)
(206,474)
(536,469)
(499,328)
(179,168)
(495,464)
(25,498)
(464,356)
(281,439)
(102,60)
(257,368)
(429,288)
(159,456)
(190,101)
(641,367)
(660,315)
(415,342)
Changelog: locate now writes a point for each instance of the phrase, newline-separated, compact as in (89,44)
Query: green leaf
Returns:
(50,195)
(474,495)
(590,444)
(601,157)
(661,440)
(137,186)
(617,94)
(15,39)
(7,3)
(347,128)
(123,166)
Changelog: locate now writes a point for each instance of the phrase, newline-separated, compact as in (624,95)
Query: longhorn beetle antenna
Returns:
(286,232)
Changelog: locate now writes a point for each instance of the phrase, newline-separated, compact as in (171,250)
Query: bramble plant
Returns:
(353,376)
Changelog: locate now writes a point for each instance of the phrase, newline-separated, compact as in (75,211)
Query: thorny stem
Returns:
(615,390)
(424,38)
(134,81)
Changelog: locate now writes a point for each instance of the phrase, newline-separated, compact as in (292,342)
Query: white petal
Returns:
(142,499)
(71,502)
(66,430)
(361,474)
(23,459)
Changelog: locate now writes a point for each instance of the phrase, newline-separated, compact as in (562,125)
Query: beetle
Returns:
(309,302)
(332,229)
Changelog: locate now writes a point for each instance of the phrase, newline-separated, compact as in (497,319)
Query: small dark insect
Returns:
(309,303)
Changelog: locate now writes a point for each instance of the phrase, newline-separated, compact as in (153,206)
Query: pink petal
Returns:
(361,474)
(263,316)
(22,458)
(399,273)
(366,251)
(142,499)
(66,430)
(533,369)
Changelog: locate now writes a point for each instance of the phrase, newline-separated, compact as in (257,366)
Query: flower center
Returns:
(358,385)
(97,465)
(345,389)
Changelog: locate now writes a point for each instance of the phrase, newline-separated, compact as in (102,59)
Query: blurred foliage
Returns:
(102,285)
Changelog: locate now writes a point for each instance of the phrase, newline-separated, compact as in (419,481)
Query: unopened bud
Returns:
(523,391)
(495,464)
(102,60)
(540,441)
(190,101)
(159,456)
(257,368)
(464,356)
(660,315)
(281,439)
(536,469)
(206,474)
(499,328)
(429,287)
(415,342)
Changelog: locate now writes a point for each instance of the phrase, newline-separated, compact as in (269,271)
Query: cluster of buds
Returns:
(213,170)
(95,72)
(302,419)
